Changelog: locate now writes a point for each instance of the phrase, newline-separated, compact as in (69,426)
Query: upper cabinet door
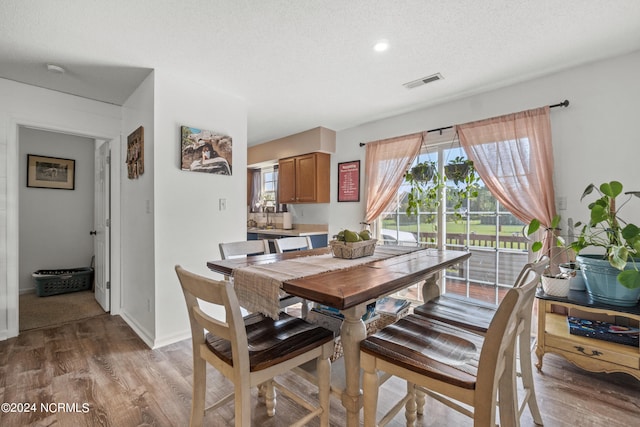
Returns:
(304,179)
(287,180)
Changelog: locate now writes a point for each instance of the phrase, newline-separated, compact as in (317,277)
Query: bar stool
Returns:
(451,364)
(475,315)
(251,351)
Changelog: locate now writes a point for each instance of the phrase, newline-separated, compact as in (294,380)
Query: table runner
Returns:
(259,287)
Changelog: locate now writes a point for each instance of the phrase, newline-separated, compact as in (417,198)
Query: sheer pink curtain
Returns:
(386,162)
(514,157)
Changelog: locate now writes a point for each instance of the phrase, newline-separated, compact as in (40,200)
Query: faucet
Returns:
(268,209)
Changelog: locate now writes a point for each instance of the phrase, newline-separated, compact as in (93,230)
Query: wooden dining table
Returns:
(350,290)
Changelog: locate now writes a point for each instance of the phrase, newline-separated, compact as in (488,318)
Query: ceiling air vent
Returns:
(423,81)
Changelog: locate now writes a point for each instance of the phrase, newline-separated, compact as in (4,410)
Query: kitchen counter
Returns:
(298,230)
(319,234)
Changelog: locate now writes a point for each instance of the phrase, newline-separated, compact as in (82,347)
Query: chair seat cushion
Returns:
(272,341)
(468,313)
(429,348)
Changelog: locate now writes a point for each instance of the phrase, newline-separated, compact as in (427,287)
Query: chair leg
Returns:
(324,389)
(270,398)
(199,388)
(262,392)
(370,392)
(410,407)
(305,309)
(526,370)
(420,401)
(242,402)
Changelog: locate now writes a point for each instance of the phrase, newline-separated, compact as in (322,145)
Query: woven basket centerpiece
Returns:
(352,250)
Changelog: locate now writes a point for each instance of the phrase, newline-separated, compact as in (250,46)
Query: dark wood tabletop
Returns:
(347,288)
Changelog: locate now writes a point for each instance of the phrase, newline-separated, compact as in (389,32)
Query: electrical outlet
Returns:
(562,203)
(222,204)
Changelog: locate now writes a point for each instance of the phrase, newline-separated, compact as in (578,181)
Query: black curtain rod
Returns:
(564,103)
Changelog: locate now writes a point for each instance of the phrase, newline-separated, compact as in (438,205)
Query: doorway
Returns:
(56,226)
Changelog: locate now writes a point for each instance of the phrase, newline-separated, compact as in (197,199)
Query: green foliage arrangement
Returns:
(426,185)
(619,239)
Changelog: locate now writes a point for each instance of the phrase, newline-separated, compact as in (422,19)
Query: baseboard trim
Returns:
(182,335)
(139,330)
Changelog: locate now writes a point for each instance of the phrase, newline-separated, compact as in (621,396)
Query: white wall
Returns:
(55,224)
(39,108)
(137,244)
(188,222)
(594,139)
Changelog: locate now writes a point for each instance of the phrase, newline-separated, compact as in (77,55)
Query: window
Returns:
(481,225)
(269,190)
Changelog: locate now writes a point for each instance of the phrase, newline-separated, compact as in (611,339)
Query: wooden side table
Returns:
(591,354)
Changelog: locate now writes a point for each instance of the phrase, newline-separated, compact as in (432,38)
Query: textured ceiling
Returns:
(299,64)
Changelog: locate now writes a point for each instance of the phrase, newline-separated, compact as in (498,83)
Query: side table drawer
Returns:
(630,359)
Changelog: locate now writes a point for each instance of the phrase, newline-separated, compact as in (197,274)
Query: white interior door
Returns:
(101,232)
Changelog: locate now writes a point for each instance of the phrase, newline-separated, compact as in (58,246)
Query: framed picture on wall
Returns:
(135,153)
(205,151)
(349,181)
(51,172)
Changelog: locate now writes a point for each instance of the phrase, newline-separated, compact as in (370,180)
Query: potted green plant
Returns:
(465,180)
(458,169)
(424,190)
(611,277)
(555,280)
(423,171)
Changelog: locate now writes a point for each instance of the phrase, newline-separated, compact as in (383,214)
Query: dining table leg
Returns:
(352,332)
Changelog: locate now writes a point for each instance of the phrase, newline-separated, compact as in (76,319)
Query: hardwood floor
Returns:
(104,375)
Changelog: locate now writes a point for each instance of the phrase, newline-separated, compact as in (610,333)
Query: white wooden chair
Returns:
(251,351)
(453,365)
(475,315)
(298,243)
(245,248)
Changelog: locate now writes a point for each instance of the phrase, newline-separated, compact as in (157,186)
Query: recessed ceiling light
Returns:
(55,69)
(381,46)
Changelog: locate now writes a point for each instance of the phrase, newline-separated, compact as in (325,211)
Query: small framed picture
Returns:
(51,172)
(135,153)
(349,181)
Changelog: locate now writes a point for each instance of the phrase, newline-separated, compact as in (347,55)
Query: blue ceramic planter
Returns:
(602,284)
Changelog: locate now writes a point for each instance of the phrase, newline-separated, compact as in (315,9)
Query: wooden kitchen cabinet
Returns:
(588,353)
(304,179)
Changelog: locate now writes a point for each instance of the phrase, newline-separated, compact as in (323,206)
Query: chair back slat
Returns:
(298,243)
(244,248)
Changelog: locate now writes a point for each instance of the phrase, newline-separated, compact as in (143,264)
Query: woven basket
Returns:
(351,250)
(557,287)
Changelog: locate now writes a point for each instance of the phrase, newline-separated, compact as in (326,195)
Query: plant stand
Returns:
(591,354)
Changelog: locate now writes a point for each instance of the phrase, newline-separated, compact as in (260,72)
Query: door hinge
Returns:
(108,285)
(108,223)
(108,159)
